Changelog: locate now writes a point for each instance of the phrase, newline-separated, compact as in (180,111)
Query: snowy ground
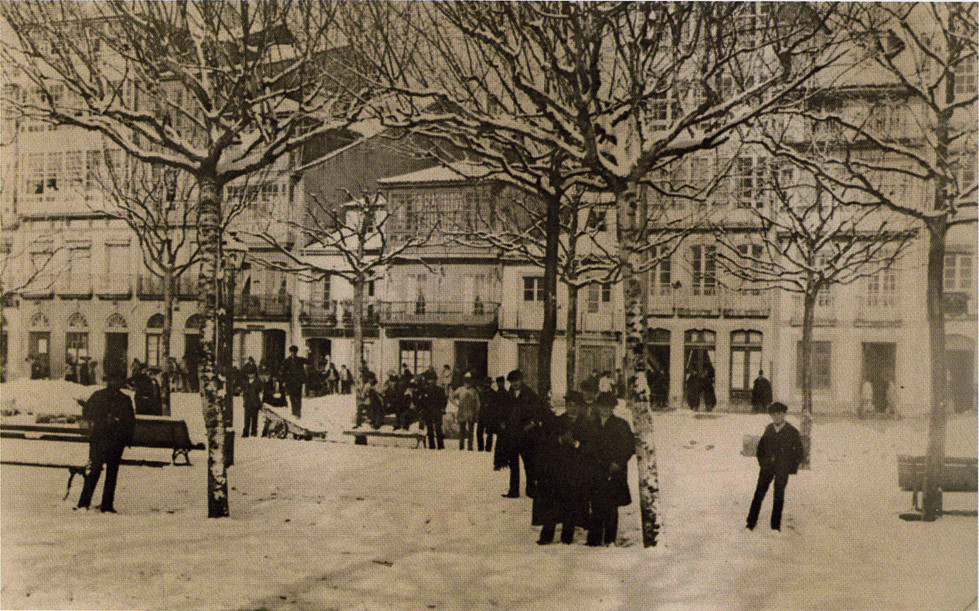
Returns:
(336,526)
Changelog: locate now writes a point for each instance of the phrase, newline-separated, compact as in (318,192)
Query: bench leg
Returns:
(184,453)
(265,428)
(72,472)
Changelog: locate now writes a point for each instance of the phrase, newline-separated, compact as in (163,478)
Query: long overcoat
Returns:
(110,412)
(606,444)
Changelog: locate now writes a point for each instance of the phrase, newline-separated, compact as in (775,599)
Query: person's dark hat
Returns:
(428,374)
(500,379)
(575,397)
(778,407)
(293,348)
(115,376)
(514,376)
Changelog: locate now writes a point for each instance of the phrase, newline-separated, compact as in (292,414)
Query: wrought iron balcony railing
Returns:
(422,312)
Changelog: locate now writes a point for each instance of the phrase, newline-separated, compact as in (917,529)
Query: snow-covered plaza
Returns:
(333,525)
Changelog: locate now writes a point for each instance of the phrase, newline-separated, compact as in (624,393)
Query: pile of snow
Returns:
(335,525)
(54,397)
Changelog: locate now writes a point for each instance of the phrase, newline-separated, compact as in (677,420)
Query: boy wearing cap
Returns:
(780,451)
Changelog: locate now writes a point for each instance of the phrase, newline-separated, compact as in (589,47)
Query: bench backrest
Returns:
(958,474)
(161,432)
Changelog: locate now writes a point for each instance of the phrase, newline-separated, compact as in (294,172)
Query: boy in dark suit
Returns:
(779,453)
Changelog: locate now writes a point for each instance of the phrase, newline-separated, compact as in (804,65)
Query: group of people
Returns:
(574,463)
(424,398)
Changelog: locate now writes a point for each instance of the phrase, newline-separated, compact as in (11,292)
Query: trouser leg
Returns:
(597,521)
(567,530)
(430,433)
(764,480)
(91,480)
(778,500)
(530,471)
(480,433)
(547,531)
(514,475)
(611,526)
(109,490)
(489,441)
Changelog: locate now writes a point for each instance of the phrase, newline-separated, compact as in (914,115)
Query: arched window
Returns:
(746,362)
(155,322)
(77,321)
(194,323)
(40,322)
(115,321)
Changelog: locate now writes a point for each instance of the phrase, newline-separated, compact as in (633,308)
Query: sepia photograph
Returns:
(488,304)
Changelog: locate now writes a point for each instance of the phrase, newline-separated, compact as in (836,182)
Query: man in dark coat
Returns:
(143,388)
(293,375)
(609,447)
(761,393)
(489,413)
(251,394)
(526,416)
(431,402)
(112,419)
(779,453)
(562,492)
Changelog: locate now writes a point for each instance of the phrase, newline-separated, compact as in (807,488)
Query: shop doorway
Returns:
(471,357)
(960,357)
(657,366)
(116,354)
(39,353)
(879,367)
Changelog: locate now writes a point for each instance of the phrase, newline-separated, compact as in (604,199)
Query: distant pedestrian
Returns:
(445,378)
(110,412)
(252,395)
(467,400)
(761,394)
(144,391)
(431,403)
(346,380)
(293,375)
(490,414)
(866,398)
(249,367)
(332,378)
(707,387)
(780,452)
(693,389)
(563,493)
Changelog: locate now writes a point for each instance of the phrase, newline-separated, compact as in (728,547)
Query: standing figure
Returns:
(779,453)
(893,398)
(488,420)
(562,495)
(608,447)
(866,398)
(526,417)
(110,412)
(467,399)
(445,378)
(431,403)
(252,396)
(249,367)
(346,380)
(293,375)
(395,401)
(142,385)
(332,378)
(707,387)
(761,394)
(693,389)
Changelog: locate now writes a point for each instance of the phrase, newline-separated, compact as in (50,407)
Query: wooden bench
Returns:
(74,470)
(360,437)
(958,475)
(278,426)
(149,432)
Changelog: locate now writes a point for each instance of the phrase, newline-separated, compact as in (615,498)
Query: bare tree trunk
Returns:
(212,386)
(808,316)
(931,502)
(358,318)
(165,337)
(552,228)
(642,417)
(571,337)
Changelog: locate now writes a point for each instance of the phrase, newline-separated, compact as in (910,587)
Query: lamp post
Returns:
(233,258)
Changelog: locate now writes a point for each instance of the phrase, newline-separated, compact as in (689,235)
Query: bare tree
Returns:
(363,234)
(159,206)
(603,93)
(918,130)
(806,240)
(218,90)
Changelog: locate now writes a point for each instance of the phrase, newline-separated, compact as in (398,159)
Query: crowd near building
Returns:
(84,292)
